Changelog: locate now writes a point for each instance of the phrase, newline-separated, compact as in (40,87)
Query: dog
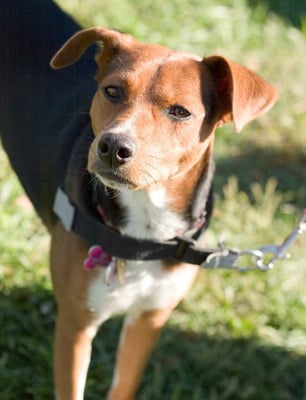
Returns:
(131,154)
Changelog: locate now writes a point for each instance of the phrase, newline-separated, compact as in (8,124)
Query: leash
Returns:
(182,249)
(263,258)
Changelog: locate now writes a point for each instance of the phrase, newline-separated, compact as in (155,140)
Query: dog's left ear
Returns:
(242,94)
(76,46)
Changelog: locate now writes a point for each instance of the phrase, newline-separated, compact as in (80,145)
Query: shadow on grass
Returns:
(293,11)
(185,366)
(26,336)
(257,164)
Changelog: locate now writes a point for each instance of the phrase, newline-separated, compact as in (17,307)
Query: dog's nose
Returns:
(115,149)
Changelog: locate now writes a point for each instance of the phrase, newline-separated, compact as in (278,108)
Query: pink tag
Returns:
(97,257)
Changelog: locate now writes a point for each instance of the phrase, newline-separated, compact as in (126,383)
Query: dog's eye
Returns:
(179,112)
(113,93)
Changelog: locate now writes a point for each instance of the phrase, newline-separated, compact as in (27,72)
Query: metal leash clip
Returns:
(279,252)
(262,258)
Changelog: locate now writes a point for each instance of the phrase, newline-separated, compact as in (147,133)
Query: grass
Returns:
(236,336)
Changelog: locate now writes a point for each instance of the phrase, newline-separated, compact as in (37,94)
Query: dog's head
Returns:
(155,109)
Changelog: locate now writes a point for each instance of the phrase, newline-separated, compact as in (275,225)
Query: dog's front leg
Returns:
(76,325)
(138,338)
(71,359)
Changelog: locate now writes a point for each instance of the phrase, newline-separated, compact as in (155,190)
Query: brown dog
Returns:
(153,116)
(150,164)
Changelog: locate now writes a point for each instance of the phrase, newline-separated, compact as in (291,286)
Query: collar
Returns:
(85,224)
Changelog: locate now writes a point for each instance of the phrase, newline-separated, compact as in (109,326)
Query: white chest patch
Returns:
(148,215)
(148,286)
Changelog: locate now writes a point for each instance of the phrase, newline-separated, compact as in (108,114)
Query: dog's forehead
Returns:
(156,66)
(155,57)
(178,67)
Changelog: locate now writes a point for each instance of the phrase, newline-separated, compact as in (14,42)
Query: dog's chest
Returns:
(147,284)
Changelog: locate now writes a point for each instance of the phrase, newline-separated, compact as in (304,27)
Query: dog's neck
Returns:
(164,210)
(149,215)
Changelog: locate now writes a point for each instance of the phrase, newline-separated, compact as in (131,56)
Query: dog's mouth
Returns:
(132,177)
(115,180)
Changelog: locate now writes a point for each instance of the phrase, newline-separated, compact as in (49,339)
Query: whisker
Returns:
(148,170)
(153,157)
(112,193)
(152,167)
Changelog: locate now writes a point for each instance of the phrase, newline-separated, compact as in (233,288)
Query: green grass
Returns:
(237,336)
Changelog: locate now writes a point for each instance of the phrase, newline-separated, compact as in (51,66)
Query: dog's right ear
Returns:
(242,94)
(75,47)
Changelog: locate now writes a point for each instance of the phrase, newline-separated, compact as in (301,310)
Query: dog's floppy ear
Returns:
(74,48)
(242,94)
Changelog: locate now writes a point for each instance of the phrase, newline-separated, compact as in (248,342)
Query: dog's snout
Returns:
(115,149)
